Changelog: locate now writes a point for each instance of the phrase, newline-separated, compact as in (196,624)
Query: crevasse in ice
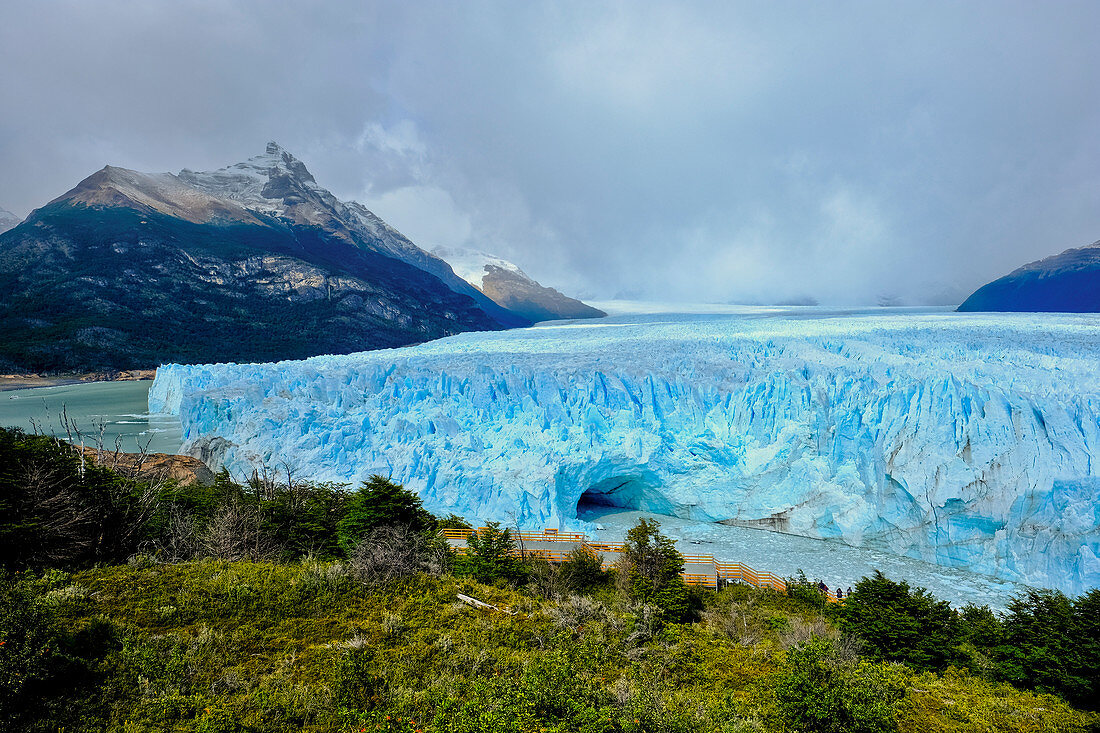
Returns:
(963,439)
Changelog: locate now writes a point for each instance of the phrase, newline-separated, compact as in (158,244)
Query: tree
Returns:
(58,509)
(491,555)
(819,691)
(304,517)
(651,570)
(980,633)
(28,632)
(1086,630)
(582,569)
(899,624)
(380,502)
(1052,644)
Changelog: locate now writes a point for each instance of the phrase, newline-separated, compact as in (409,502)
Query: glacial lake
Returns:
(102,412)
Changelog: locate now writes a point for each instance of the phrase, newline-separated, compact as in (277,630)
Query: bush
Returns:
(582,569)
(28,650)
(57,510)
(235,533)
(491,556)
(820,691)
(387,553)
(807,592)
(303,519)
(452,521)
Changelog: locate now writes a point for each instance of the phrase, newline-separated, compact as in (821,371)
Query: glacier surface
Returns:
(966,440)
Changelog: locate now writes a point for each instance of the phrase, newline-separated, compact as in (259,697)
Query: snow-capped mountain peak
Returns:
(511,287)
(272,183)
(472,265)
(160,192)
(277,184)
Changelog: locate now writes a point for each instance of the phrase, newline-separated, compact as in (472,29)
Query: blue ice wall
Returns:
(963,439)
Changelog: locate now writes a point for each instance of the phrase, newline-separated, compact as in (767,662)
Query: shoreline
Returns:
(10,382)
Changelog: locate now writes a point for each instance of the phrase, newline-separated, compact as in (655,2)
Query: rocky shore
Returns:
(27,381)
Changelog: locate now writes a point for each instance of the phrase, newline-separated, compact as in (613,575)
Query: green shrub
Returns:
(452,521)
(818,691)
(357,683)
(805,591)
(491,556)
(29,655)
(582,569)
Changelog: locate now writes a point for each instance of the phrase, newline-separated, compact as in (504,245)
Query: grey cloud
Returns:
(730,151)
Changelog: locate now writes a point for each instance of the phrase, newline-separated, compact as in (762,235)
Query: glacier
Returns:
(965,440)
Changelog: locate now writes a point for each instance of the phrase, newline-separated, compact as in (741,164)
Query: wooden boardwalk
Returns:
(698,569)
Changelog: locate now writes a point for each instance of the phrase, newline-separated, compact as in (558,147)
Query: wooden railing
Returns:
(719,571)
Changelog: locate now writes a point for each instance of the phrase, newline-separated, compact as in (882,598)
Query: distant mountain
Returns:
(253,262)
(511,288)
(8,220)
(1068,283)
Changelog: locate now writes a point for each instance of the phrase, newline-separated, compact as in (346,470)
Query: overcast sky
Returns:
(725,151)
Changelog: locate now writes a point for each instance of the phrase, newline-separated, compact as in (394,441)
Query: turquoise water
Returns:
(102,412)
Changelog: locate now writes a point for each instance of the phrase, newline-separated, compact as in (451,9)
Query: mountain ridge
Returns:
(255,261)
(8,220)
(512,288)
(1068,282)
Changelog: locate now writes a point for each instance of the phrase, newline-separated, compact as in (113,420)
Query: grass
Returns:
(216,646)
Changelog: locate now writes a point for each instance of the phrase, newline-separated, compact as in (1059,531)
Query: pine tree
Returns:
(652,570)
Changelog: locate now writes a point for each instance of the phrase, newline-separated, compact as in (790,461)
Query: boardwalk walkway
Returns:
(698,569)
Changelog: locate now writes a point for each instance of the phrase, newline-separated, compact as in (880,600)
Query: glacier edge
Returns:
(965,440)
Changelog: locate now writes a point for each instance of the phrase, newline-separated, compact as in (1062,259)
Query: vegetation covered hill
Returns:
(272,607)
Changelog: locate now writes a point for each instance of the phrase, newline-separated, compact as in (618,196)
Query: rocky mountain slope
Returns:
(8,220)
(1068,282)
(253,262)
(512,288)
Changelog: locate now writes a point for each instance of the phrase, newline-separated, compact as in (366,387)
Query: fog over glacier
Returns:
(964,440)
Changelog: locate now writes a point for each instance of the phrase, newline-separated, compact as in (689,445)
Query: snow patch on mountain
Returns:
(472,266)
(512,288)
